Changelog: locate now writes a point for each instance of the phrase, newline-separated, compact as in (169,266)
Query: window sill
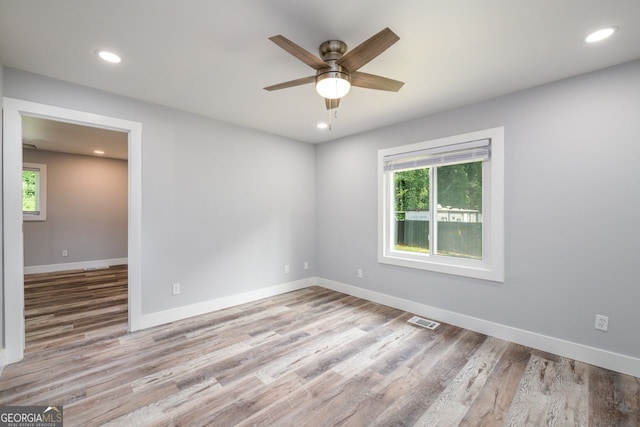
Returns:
(466,268)
(33,218)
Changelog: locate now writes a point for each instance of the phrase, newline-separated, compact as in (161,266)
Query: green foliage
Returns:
(459,186)
(29,180)
(412,190)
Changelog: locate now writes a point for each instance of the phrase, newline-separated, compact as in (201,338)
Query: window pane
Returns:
(459,223)
(29,191)
(411,210)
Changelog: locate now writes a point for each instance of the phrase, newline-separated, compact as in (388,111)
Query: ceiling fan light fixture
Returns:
(333,85)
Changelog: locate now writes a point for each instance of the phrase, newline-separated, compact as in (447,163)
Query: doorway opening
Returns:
(14,111)
(74,201)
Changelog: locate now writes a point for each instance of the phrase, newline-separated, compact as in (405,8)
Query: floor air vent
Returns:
(425,323)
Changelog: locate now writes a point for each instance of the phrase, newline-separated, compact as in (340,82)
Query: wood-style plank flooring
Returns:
(72,306)
(314,357)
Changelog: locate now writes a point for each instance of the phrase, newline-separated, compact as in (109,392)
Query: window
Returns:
(34,192)
(441,205)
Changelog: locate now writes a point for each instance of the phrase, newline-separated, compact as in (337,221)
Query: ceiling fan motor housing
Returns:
(330,52)
(333,72)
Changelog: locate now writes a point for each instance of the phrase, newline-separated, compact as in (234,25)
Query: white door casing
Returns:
(13,110)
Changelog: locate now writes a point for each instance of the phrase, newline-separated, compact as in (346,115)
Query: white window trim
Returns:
(42,193)
(492,266)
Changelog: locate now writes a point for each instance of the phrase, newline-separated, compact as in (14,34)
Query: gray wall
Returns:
(86,210)
(224,208)
(571,207)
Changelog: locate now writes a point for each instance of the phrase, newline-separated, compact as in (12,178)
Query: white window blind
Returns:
(465,152)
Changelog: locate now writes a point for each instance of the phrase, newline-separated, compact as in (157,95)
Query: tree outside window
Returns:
(34,192)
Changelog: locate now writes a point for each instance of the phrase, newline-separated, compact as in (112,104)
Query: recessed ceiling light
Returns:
(601,34)
(98,152)
(109,56)
(322,125)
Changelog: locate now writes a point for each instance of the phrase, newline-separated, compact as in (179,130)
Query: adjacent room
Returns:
(320,213)
(75,181)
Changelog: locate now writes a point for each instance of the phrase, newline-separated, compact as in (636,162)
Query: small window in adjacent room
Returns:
(441,205)
(34,192)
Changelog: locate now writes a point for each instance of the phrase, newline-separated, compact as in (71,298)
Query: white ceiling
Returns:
(49,135)
(213,57)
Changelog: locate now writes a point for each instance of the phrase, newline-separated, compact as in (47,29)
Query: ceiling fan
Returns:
(337,71)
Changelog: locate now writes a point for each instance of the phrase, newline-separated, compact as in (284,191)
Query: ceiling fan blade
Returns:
(303,55)
(371,81)
(331,103)
(292,83)
(367,50)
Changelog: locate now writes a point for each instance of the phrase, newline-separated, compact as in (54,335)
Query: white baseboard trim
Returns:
(100,263)
(179,313)
(591,355)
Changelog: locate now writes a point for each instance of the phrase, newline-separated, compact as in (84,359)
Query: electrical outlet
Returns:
(306,265)
(359,273)
(602,322)
(286,269)
(65,252)
(175,288)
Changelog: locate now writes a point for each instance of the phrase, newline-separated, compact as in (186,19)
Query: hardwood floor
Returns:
(314,357)
(72,306)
